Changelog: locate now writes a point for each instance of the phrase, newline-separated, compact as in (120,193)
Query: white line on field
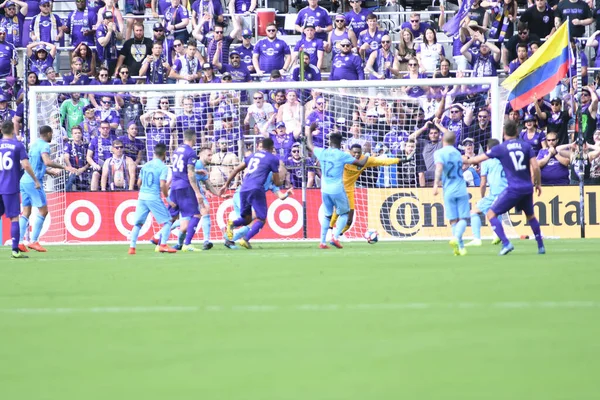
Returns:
(519,305)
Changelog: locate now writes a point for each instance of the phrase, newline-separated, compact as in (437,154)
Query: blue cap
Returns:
(247,32)
(40,47)
(280,124)
(529,117)
(8,4)
(227,115)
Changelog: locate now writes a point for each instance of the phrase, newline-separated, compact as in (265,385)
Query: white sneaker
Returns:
(329,235)
(474,243)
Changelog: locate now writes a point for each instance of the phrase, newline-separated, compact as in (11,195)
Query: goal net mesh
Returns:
(387,119)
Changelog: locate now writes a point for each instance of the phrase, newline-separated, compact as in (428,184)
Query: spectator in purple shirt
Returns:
(486,62)
(414,24)
(75,153)
(554,167)
(98,152)
(293,165)
(356,19)
(311,46)
(40,58)
(369,40)
(282,140)
(535,137)
(46,26)
(177,20)
(13,21)
(317,16)
(80,24)
(271,53)
(346,65)
(133,147)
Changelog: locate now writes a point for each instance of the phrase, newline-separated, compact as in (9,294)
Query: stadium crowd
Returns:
(105,135)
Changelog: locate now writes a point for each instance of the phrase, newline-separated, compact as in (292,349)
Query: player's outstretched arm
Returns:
(232,176)
(49,163)
(476,160)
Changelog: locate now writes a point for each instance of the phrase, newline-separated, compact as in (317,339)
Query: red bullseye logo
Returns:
(285,217)
(82,219)
(125,218)
(224,213)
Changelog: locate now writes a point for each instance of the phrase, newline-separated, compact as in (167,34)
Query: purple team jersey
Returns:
(258,167)
(271,54)
(182,157)
(11,153)
(514,155)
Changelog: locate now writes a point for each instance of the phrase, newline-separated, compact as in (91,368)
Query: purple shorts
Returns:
(254,199)
(186,201)
(10,205)
(509,199)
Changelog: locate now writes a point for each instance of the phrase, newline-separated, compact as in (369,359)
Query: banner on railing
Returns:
(395,213)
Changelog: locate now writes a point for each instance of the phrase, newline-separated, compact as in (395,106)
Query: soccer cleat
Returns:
(229,230)
(18,254)
(163,248)
(323,246)
(541,250)
(23,248)
(176,246)
(506,249)
(462,252)
(207,245)
(132,250)
(336,243)
(496,241)
(37,247)
(245,243)
(154,241)
(454,244)
(474,243)
(188,247)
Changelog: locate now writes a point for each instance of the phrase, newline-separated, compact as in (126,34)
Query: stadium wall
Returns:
(395,213)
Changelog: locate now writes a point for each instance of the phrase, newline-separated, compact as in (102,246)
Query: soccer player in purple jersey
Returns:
(13,157)
(185,192)
(252,192)
(520,164)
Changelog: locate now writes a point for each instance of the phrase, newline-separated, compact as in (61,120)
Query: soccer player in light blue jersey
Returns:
(152,182)
(492,173)
(39,157)
(448,169)
(333,160)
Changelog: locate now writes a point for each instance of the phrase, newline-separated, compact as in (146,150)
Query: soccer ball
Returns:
(371,236)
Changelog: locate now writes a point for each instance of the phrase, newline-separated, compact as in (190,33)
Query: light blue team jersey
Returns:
(151,174)
(332,168)
(270,185)
(492,168)
(200,178)
(452,178)
(37,163)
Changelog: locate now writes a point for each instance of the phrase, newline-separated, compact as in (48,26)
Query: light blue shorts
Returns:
(457,207)
(30,196)
(338,200)
(484,204)
(156,207)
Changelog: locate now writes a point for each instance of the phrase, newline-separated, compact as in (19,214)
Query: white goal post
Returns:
(396,210)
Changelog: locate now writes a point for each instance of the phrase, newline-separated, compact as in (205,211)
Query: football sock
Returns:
(461,225)
(37,228)
(334,219)
(23,225)
(348,225)
(239,222)
(15,235)
(341,224)
(476,225)
(453,227)
(205,223)
(165,232)
(181,238)
(254,229)
(173,225)
(191,230)
(499,230)
(240,233)
(134,235)
(324,229)
(535,227)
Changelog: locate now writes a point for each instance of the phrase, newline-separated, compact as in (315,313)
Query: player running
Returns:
(351,175)
(185,193)
(520,165)
(492,173)
(31,195)
(152,182)
(252,192)
(448,168)
(332,162)
(13,157)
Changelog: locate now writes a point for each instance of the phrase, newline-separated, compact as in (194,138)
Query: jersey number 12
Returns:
(517,158)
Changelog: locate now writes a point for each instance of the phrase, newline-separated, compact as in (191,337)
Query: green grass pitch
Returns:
(399,320)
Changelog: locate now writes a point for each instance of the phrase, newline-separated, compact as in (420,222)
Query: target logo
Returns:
(125,218)
(82,219)
(285,217)
(225,212)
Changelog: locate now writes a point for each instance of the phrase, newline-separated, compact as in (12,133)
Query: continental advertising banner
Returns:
(417,214)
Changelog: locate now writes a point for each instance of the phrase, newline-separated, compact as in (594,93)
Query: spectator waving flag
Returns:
(540,74)
(453,25)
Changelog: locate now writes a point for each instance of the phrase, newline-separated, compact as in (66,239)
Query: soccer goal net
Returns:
(379,119)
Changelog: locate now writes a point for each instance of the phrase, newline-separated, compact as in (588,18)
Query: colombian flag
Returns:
(540,74)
